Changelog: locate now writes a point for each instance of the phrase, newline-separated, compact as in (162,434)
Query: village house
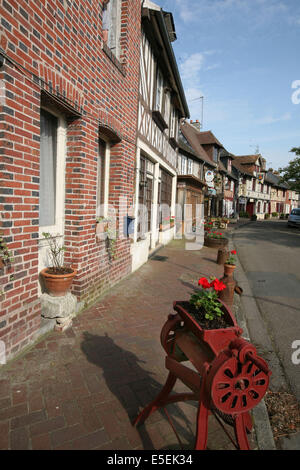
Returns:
(193,165)
(230,184)
(69,75)
(221,178)
(254,188)
(162,104)
(292,200)
(279,194)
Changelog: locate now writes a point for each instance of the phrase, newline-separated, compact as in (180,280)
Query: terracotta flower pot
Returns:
(57,285)
(229,269)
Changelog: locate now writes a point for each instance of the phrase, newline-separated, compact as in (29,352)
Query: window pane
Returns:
(49,126)
(101,177)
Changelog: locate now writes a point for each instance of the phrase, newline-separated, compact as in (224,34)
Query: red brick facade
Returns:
(54,48)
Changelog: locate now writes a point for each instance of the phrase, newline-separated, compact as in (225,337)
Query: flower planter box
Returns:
(215,242)
(217,339)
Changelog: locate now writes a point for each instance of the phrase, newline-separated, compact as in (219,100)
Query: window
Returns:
(145,195)
(101,179)
(111,25)
(173,124)
(253,184)
(167,105)
(215,154)
(190,167)
(166,188)
(159,91)
(48,165)
(183,165)
(229,167)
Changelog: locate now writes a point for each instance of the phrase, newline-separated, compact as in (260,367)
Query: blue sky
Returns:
(243,57)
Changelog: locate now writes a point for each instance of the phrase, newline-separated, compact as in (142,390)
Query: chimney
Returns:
(263,164)
(196,124)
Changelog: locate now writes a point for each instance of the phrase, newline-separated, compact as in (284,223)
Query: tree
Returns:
(291,173)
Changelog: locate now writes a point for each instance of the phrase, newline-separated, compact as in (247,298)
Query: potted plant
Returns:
(215,239)
(207,317)
(230,264)
(58,277)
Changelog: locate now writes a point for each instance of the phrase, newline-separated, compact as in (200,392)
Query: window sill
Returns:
(113,58)
(159,120)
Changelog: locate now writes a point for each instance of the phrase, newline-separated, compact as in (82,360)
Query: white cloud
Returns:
(191,66)
(261,12)
(272,119)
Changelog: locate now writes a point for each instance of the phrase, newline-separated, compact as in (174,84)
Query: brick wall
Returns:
(56,46)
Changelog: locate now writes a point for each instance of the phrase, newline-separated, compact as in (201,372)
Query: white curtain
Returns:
(48,169)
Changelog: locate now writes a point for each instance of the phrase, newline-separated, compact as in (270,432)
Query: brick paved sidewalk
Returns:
(81,389)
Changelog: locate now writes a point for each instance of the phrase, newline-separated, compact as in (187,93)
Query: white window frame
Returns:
(159,91)
(190,166)
(104,212)
(173,127)
(61,147)
(183,168)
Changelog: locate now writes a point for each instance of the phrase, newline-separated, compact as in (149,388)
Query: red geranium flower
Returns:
(233,252)
(218,285)
(204,283)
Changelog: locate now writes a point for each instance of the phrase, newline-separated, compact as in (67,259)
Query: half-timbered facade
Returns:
(161,105)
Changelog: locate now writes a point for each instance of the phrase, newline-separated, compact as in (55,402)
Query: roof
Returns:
(275,180)
(191,135)
(159,27)
(185,147)
(237,164)
(247,159)
(207,137)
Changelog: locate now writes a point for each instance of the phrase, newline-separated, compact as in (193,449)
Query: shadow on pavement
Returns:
(118,365)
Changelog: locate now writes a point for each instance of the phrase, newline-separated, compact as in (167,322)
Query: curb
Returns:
(262,426)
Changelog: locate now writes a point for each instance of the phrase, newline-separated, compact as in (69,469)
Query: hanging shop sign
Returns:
(209,176)
(260,177)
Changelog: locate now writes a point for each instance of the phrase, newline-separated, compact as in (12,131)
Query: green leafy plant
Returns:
(5,255)
(231,259)
(207,298)
(214,234)
(274,214)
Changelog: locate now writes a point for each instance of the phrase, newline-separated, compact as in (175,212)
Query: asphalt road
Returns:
(269,253)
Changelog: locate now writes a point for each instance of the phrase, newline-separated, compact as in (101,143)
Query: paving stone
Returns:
(83,388)
(19,439)
(47,426)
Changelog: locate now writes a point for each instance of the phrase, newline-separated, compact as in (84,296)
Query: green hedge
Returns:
(244,215)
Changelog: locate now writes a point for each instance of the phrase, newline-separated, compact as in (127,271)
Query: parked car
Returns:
(294,218)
